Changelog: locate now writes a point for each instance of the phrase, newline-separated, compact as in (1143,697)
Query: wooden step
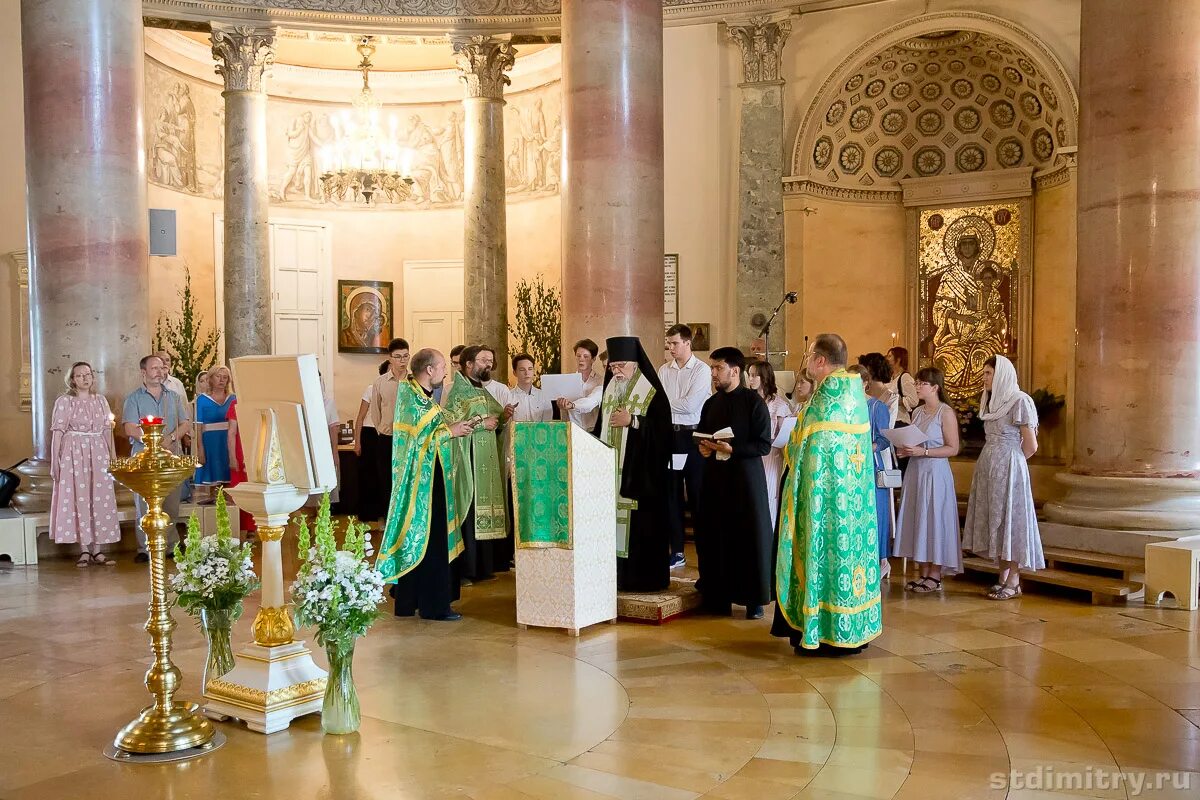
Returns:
(1105,590)
(1126,565)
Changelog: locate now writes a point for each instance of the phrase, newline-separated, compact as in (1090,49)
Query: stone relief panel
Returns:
(185,119)
(944,103)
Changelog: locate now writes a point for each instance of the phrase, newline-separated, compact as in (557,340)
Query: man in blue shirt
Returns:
(152,399)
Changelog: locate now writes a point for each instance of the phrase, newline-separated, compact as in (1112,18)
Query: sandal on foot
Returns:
(927,586)
(1005,593)
(103,560)
(84,560)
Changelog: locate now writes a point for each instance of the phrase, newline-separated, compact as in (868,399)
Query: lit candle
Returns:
(112,420)
(893,338)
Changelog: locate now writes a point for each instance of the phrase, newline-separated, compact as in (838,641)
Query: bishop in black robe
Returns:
(647,455)
(734,533)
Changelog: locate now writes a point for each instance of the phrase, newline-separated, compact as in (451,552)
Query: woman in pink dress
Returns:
(83,505)
(761,378)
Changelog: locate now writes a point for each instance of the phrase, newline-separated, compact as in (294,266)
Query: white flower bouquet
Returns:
(336,591)
(214,573)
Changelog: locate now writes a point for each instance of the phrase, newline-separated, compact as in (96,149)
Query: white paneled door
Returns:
(301,288)
(433,304)
(298,289)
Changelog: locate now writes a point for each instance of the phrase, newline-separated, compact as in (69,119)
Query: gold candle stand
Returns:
(169,725)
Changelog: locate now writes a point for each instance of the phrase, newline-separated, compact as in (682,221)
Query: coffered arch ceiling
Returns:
(939,102)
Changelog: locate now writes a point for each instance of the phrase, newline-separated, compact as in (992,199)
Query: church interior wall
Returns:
(16,436)
(697,143)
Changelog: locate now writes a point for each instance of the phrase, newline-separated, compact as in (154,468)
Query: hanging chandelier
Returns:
(364,162)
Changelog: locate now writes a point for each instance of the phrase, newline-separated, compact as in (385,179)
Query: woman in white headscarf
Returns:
(1001,522)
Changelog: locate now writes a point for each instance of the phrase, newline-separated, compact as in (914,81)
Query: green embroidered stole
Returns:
(480,457)
(420,439)
(634,396)
(827,568)
(542,484)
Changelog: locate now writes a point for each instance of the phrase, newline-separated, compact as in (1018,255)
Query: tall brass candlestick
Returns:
(169,725)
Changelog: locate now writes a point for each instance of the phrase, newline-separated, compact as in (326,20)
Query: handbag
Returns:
(9,481)
(888,479)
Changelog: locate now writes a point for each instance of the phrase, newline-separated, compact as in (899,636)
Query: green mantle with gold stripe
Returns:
(633,396)
(827,569)
(421,442)
(542,484)
(478,469)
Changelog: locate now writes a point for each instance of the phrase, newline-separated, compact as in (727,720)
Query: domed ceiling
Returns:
(943,103)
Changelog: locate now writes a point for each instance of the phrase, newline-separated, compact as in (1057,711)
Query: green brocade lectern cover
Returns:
(542,484)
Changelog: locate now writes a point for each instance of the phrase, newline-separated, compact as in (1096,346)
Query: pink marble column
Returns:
(1137,413)
(86,201)
(612,190)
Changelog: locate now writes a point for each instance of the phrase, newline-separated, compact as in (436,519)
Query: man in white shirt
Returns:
(171,383)
(585,411)
(529,403)
(688,383)
(383,409)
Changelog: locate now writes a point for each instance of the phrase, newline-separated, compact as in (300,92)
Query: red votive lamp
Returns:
(152,420)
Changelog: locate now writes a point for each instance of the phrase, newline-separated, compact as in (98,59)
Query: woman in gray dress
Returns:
(927,531)
(1001,522)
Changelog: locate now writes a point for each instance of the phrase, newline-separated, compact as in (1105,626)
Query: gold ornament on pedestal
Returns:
(169,725)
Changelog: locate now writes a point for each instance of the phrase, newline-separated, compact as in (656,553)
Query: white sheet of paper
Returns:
(678,461)
(910,436)
(568,386)
(785,431)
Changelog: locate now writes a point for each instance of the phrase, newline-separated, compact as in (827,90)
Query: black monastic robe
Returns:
(733,532)
(644,479)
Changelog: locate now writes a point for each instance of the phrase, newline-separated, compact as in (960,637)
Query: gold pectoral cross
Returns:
(858,459)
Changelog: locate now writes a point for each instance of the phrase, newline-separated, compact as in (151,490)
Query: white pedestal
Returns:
(269,687)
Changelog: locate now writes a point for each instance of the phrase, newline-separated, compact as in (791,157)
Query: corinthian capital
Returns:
(761,41)
(243,54)
(482,62)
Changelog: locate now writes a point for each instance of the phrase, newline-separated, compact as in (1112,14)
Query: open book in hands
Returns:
(725,434)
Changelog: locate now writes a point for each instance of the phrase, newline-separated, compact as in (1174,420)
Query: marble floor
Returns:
(1041,697)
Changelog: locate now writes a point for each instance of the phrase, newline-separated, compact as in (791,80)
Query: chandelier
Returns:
(364,162)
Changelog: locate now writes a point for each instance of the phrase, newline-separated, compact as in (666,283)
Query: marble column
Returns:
(612,190)
(1136,468)
(482,62)
(86,204)
(243,55)
(760,265)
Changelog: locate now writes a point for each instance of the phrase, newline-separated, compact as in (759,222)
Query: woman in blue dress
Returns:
(877,412)
(212,411)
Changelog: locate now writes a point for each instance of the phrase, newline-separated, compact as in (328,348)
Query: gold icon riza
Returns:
(168,725)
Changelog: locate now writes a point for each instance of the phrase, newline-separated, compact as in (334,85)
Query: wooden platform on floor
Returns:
(1109,579)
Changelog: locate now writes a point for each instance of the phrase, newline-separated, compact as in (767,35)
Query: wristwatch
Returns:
(927,452)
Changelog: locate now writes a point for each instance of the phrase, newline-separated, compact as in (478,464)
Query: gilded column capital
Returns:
(243,54)
(761,41)
(482,62)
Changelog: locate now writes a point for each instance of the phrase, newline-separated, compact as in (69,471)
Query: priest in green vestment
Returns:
(479,470)
(423,533)
(827,566)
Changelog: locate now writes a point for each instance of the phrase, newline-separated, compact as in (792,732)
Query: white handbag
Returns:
(888,479)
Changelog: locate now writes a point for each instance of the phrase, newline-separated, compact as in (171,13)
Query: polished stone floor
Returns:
(957,696)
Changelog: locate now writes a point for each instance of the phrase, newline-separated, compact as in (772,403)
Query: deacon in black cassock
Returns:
(635,420)
(733,532)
